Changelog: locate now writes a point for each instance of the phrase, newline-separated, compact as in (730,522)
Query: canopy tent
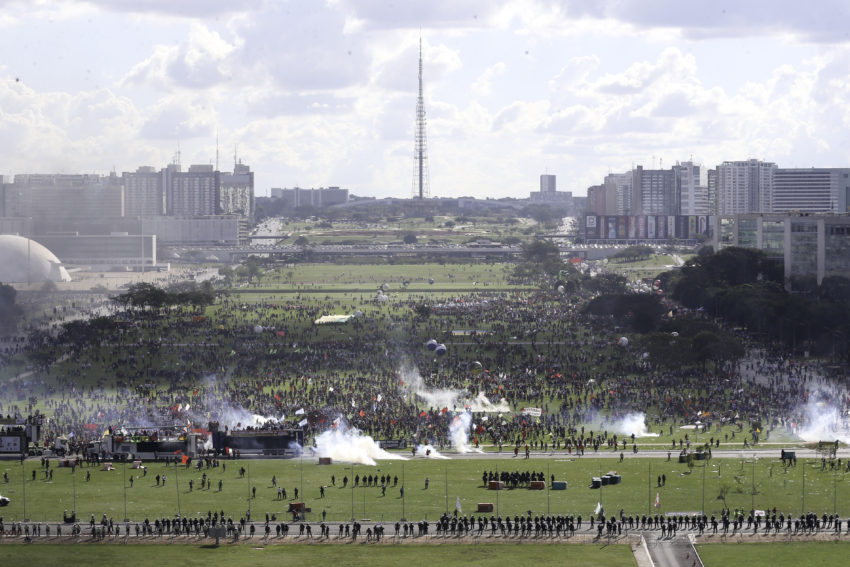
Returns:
(333,319)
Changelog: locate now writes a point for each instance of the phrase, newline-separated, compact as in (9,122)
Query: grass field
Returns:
(450,481)
(354,554)
(808,554)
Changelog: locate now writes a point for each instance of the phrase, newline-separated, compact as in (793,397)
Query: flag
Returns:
(657,500)
(457,505)
(598,508)
(302,423)
(184,459)
(299,411)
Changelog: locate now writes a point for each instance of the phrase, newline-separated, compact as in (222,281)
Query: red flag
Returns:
(178,451)
(184,459)
(423,413)
(444,410)
(362,413)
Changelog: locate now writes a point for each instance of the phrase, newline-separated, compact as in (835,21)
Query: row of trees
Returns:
(151,297)
(747,289)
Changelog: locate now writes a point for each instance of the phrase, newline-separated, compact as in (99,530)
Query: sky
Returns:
(314,93)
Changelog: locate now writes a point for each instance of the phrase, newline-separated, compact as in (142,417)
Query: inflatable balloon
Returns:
(675,333)
(475,368)
(623,342)
(258,329)
(385,287)
(431,344)
(441,349)
(431,281)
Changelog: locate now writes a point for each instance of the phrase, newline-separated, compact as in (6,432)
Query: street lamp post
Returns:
(125,490)
(753,500)
(703,487)
(352,490)
(803,488)
(24,480)
(403,495)
(176,490)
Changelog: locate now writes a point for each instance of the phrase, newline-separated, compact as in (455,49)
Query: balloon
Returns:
(645,355)
(258,329)
(384,287)
(476,368)
(431,281)
(431,344)
(623,342)
(560,289)
(441,349)
(675,333)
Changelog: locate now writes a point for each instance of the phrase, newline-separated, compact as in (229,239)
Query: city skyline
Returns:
(324,94)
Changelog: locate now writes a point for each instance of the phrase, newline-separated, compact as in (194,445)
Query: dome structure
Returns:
(23,260)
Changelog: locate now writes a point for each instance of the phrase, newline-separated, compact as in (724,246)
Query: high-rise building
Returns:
(691,188)
(144,192)
(69,197)
(236,193)
(653,192)
(810,190)
(547,183)
(745,187)
(193,193)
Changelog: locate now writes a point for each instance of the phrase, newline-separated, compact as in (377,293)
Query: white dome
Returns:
(16,252)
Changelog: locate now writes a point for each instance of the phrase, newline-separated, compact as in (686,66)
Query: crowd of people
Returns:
(375,372)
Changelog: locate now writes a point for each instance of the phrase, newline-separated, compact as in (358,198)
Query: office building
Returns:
(806,244)
(814,190)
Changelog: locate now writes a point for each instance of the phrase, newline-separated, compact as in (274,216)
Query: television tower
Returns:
(420,145)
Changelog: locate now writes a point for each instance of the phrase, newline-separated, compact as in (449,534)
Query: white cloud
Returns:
(199,62)
(483,85)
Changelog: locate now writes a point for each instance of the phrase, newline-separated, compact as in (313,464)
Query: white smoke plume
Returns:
(823,422)
(480,403)
(448,398)
(459,433)
(429,452)
(632,424)
(436,398)
(351,446)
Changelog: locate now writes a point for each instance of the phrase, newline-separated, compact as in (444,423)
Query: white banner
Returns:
(533,412)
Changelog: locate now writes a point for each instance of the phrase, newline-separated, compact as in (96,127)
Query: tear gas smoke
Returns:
(429,452)
(459,433)
(632,424)
(351,446)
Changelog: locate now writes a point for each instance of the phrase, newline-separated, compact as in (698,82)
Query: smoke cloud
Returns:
(351,446)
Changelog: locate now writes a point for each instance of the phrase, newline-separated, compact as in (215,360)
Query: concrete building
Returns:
(691,188)
(807,245)
(744,187)
(103,251)
(653,192)
(212,230)
(144,192)
(236,192)
(549,193)
(194,192)
(21,226)
(46,198)
(815,190)
(321,197)
(25,261)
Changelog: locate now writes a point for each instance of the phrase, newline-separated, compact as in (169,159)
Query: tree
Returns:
(10,312)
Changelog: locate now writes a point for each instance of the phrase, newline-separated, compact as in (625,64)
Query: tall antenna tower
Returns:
(421,189)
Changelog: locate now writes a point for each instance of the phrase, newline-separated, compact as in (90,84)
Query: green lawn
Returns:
(354,554)
(449,481)
(808,554)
